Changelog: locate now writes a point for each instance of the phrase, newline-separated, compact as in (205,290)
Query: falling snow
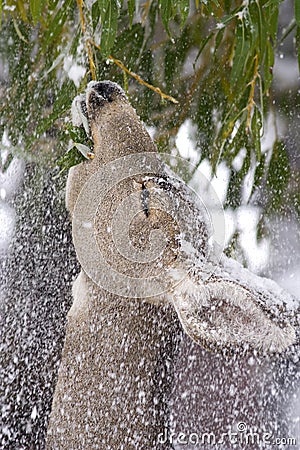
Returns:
(215,398)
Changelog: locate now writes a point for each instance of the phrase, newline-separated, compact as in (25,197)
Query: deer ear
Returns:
(222,313)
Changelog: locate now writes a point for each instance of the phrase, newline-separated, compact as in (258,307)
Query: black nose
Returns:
(108,90)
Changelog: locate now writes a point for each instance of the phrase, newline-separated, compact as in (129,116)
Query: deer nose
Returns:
(108,90)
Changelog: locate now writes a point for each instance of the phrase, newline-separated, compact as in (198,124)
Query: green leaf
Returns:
(262,27)
(78,134)
(184,8)
(131,11)
(219,39)
(6,164)
(56,25)
(233,14)
(241,53)
(36,9)
(0,13)
(61,105)
(254,22)
(272,3)
(256,126)
(278,176)
(69,159)
(233,197)
(268,66)
(130,42)
(95,14)
(259,173)
(232,148)
(298,45)
(52,4)
(247,162)
(203,45)
(170,64)
(297,12)
(19,33)
(272,13)
(103,6)
(109,27)
(166,13)
(131,39)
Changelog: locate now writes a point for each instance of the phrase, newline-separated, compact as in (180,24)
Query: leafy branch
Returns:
(216,58)
(138,78)
(90,42)
(87,41)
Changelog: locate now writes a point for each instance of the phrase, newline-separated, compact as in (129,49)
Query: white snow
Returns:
(2,193)
(10,180)
(290,281)
(34,413)
(256,252)
(220,181)
(7,221)
(230,224)
(151,130)
(74,71)
(239,159)
(186,141)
